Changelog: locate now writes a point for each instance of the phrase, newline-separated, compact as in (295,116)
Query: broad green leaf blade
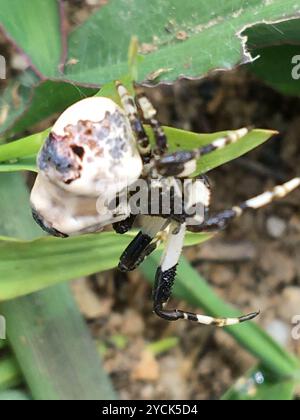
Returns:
(178,140)
(276,68)
(48,335)
(35,27)
(47,261)
(277,46)
(28,100)
(258,385)
(191,287)
(277,33)
(177,38)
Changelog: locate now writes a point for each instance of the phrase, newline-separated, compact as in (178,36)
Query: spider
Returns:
(95,151)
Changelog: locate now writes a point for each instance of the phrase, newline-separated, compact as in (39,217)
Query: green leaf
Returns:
(10,374)
(233,151)
(23,148)
(46,331)
(275,67)
(177,38)
(34,26)
(43,262)
(23,164)
(178,140)
(191,287)
(276,45)
(259,385)
(28,100)
(14,395)
(163,345)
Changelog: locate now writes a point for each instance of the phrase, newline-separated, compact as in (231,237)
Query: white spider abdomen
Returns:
(90,154)
(91,149)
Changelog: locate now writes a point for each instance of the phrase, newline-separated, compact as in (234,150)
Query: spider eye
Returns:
(44,225)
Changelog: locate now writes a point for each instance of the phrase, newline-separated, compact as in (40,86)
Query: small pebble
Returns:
(93,2)
(276,226)
(280,331)
(290,303)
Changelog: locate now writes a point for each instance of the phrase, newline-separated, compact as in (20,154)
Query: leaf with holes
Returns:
(176,38)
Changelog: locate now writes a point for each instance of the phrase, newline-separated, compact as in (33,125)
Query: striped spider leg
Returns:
(183,162)
(144,243)
(148,113)
(179,164)
(95,152)
(149,116)
(130,108)
(164,280)
(221,220)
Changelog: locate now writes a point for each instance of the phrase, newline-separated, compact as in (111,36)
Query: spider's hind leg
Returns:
(220,221)
(164,280)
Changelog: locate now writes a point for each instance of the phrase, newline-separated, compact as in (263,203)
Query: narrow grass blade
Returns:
(48,336)
(47,261)
(177,139)
(259,385)
(10,374)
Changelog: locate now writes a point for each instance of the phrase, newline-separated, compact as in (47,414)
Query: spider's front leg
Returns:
(164,280)
(144,243)
(183,163)
(124,225)
(143,142)
(220,221)
(149,114)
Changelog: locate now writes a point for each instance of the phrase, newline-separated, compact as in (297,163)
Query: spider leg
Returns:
(164,280)
(145,242)
(183,163)
(124,225)
(131,111)
(221,220)
(149,114)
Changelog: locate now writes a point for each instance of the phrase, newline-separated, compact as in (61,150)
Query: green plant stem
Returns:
(164,345)
(46,331)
